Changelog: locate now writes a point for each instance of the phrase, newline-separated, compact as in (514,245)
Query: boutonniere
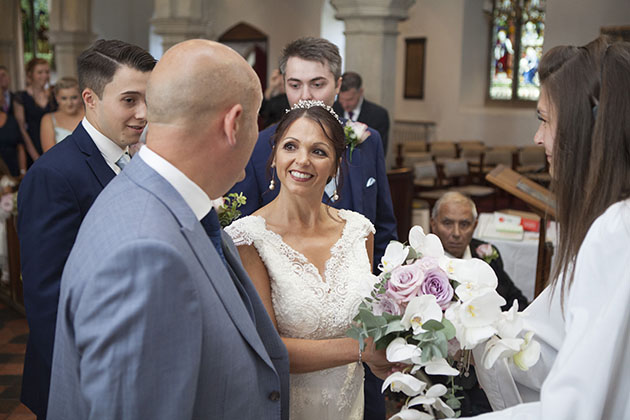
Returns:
(227,207)
(487,252)
(356,133)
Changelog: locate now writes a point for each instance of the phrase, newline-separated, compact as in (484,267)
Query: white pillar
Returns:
(371,35)
(70,33)
(11,42)
(179,20)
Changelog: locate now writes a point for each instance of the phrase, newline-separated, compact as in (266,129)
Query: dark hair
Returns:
(3,67)
(97,65)
(313,49)
(590,153)
(32,63)
(350,80)
(328,123)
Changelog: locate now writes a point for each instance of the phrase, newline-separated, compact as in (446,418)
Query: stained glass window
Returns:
(516,48)
(35,24)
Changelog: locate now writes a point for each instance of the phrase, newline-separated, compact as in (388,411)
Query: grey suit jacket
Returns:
(150,323)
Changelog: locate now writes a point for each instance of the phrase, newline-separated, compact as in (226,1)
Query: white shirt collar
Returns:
(111,151)
(356,111)
(467,254)
(193,195)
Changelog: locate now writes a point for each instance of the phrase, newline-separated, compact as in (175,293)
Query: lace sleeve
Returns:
(238,231)
(359,223)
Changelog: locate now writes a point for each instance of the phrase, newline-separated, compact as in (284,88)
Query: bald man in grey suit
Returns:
(157,317)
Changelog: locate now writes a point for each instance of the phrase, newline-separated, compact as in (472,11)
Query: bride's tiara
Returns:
(304,104)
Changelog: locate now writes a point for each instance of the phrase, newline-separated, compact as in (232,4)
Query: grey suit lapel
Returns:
(225,288)
(202,247)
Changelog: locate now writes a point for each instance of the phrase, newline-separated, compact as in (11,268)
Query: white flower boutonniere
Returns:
(356,133)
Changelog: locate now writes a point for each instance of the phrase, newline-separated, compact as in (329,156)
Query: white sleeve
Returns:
(590,377)
(506,385)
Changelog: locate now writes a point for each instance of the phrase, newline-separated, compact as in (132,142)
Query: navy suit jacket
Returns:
(54,197)
(364,188)
(373,115)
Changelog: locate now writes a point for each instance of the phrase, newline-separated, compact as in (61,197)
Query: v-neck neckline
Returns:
(323,278)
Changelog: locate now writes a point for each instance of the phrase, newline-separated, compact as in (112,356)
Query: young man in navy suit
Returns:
(311,68)
(61,186)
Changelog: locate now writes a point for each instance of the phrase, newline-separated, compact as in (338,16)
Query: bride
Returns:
(311,265)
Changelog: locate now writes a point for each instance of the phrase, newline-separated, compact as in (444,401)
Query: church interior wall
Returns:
(457,35)
(456,51)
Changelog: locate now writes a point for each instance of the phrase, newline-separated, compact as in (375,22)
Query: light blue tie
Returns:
(123,161)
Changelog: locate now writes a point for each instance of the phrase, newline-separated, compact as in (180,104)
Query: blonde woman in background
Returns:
(56,126)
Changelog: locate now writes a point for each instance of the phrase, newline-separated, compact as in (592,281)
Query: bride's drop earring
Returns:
(335,196)
(272,183)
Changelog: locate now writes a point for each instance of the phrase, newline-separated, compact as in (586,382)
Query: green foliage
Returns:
(229,210)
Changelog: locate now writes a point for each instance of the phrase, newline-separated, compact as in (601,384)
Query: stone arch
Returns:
(252,44)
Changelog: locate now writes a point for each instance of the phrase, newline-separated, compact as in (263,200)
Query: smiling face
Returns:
(40,75)
(305,159)
(69,100)
(120,114)
(546,133)
(454,226)
(310,80)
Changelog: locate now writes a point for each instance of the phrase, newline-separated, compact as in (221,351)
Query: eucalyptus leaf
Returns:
(441,343)
(394,326)
(449,329)
(432,325)
(384,342)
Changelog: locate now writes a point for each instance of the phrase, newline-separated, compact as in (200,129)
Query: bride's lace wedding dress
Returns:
(307,306)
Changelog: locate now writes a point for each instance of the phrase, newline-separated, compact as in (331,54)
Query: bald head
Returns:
(198,79)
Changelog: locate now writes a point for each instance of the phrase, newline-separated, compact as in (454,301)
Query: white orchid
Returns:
(511,322)
(432,398)
(399,351)
(529,354)
(524,351)
(410,414)
(475,276)
(395,255)
(427,245)
(439,366)
(403,382)
(475,319)
(498,348)
(419,310)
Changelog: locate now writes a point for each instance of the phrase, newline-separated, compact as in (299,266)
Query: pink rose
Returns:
(484,250)
(6,202)
(436,283)
(427,263)
(405,283)
(386,304)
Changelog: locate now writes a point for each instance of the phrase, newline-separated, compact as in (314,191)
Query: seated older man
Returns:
(453,220)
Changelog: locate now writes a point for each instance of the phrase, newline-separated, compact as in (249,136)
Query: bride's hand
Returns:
(376,360)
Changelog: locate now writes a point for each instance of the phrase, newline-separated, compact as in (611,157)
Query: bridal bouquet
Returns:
(427,307)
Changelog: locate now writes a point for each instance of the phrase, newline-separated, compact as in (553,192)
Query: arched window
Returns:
(35,24)
(518,28)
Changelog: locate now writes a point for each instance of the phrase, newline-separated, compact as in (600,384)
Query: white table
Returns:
(519,257)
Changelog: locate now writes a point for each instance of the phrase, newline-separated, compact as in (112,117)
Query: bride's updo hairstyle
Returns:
(328,121)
